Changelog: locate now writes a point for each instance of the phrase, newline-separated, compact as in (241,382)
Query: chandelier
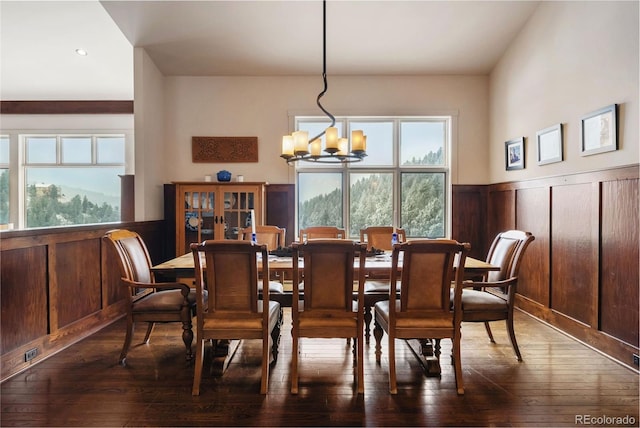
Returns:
(298,147)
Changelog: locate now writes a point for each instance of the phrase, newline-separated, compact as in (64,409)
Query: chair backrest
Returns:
(429,266)
(228,269)
(322,232)
(328,273)
(379,237)
(271,236)
(506,251)
(133,256)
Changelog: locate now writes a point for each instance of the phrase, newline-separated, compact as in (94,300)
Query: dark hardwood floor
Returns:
(559,380)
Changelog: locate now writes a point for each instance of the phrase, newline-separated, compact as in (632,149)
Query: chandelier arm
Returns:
(324,71)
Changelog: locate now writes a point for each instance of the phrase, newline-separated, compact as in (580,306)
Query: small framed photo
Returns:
(514,154)
(599,131)
(549,142)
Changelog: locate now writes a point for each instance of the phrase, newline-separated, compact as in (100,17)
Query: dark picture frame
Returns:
(514,155)
(549,144)
(599,131)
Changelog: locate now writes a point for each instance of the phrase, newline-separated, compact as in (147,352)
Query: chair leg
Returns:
(486,326)
(127,341)
(393,385)
(147,335)
(360,363)
(266,347)
(457,363)
(367,323)
(187,337)
(377,333)
(512,336)
(197,372)
(294,362)
(354,350)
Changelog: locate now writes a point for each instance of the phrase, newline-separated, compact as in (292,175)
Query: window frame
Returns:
(24,166)
(7,166)
(396,169)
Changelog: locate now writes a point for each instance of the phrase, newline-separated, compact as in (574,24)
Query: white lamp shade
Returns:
(316,147)
(331,137)
(301,141)
(357,141)
(287,145)
(343,146)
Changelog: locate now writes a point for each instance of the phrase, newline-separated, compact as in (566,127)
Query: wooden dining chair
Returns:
(322,232)
(379,237)
(232,309)
(327,309)
(273,237)
(493,298)
(149,301)
(376,286)
(422,309)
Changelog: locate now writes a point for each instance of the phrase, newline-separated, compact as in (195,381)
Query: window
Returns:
(4,179)
(72,179)
(403,181)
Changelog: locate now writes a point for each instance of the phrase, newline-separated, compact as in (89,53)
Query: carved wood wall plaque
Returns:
(224,149)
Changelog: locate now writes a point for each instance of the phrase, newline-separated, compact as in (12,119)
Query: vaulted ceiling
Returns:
(250,38)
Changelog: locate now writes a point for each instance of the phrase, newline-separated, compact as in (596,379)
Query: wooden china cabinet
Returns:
(196,211)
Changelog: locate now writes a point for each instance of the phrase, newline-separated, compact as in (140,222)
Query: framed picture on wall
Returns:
(514,154)
(599,131)
(549,144)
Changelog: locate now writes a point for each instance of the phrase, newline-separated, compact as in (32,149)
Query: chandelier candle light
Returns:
(298,147)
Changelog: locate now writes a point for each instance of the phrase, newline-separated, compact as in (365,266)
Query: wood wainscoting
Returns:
(581,273)
(59,285)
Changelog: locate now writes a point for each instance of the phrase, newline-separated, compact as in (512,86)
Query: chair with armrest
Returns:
(233,309)
(376,286)
(493,298)
(328,309)
(273,237)
(322,232)
(150,301)
(422,309)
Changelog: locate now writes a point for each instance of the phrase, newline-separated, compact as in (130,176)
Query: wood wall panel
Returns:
(572,287)
(501,211)
(77,274)
(113,291)
(619,260)
(23,296)
(532,207)
(281,208)
(59,286)
(469,218)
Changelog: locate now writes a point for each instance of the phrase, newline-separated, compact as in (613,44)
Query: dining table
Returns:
(183,266)
(182,269)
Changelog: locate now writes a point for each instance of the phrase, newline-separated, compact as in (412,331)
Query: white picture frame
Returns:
(549,145)
(599,131)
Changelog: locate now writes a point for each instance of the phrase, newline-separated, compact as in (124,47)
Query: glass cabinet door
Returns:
(200,217)
(238,207)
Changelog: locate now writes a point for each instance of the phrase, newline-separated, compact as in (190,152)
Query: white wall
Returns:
(571,58)
(150,159)
(261,106)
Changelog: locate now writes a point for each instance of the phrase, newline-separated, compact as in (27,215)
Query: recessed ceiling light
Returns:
(81,52)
